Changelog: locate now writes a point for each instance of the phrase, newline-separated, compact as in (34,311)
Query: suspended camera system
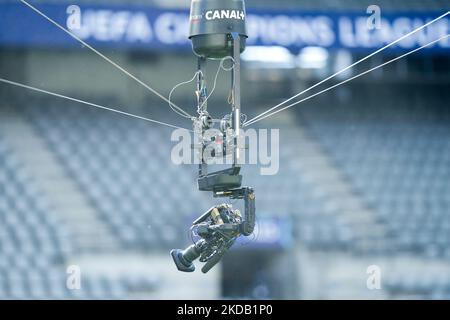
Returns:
(218,31)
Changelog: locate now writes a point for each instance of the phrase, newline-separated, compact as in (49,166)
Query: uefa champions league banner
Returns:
(152,28)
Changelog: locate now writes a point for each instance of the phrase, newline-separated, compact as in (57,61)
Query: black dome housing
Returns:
(211,24)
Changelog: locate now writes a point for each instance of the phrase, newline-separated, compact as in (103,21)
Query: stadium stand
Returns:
(397,164)
(397,159)
(35,244)
(30,234)
(121,174)
(126,172)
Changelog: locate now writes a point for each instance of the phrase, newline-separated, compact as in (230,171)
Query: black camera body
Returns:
(217,230)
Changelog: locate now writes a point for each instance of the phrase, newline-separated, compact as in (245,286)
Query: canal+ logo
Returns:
(220,15)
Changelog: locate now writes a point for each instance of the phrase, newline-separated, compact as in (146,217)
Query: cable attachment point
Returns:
(206,120)
(225,123)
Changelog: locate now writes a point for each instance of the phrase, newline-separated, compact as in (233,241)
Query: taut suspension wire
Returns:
(345,81)
(17,84)
(104,57)
(346,68)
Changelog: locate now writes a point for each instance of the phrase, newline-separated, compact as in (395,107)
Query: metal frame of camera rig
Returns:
(220,226)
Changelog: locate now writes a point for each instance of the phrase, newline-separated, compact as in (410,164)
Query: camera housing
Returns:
(217,230)
(212,22)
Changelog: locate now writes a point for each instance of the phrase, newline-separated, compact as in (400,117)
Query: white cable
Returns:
(87,103)
(102,56)
(350,66)
(221,66)
(345,81)
(177,86)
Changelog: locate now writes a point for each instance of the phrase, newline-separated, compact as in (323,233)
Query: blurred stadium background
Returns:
(364,171)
